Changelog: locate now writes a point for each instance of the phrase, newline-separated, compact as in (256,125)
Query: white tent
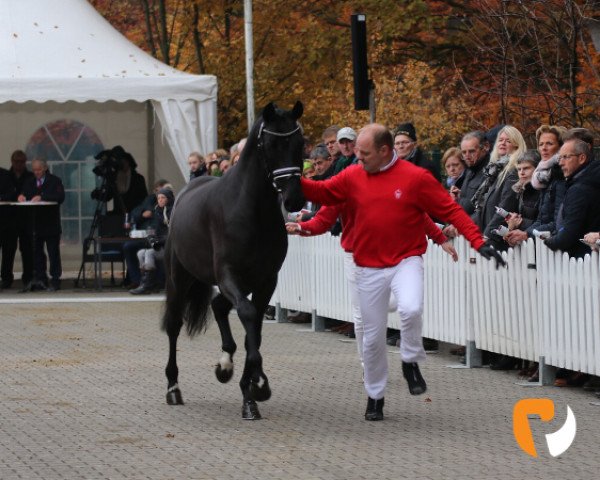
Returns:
(65,51)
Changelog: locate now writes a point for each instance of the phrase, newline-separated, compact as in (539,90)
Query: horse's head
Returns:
(282,142)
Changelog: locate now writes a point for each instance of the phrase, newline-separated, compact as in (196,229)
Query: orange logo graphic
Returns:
(558,442)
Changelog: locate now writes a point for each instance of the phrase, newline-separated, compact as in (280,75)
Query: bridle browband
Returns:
(280,173)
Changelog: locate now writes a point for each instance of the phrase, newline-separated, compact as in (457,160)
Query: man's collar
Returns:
(390,164)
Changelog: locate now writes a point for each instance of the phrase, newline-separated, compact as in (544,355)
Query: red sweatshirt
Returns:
(388,209)
(327,215)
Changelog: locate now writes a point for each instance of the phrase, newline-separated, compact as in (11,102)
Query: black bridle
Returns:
(279,173)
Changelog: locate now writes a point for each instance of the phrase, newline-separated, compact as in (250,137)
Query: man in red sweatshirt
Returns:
(386,199)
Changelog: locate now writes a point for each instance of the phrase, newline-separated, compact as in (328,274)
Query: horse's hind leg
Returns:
(172,323)
(221,308)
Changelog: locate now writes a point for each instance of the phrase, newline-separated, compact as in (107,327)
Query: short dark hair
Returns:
(582,134)
(581,147)
(478,134)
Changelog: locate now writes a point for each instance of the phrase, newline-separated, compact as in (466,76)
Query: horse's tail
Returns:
(188,298)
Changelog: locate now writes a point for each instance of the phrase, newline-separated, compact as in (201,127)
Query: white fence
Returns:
(543,305)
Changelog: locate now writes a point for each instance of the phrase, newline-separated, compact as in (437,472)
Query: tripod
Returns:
(102,194)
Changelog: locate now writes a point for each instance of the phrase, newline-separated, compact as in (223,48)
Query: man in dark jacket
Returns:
(406,147)
(7,194)
(45,187)
(580,210)
(17,228)
(476,155)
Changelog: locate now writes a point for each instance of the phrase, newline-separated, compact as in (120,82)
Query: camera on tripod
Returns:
(108,164)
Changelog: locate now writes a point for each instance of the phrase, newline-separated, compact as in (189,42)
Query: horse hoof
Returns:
(250,410)
(260,393)
(174,397)
(223,374)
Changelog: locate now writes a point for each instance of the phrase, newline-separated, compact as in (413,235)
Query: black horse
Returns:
(230,232)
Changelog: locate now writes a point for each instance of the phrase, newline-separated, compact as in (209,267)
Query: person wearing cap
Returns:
(346,139)
(148,257)
(405,144)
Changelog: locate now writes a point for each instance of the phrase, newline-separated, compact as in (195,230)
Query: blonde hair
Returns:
(555,130)
(518,141)
(452,152)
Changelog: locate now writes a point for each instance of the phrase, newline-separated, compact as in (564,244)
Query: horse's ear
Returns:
(269,112)
(298,110)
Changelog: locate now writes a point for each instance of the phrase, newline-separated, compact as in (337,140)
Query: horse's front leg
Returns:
(253,374)
(253,383)
(224,369)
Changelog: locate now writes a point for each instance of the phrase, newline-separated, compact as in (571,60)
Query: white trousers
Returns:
(405,281)
(350,269)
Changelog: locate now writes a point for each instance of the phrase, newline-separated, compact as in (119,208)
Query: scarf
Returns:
(490,174)
(543,173)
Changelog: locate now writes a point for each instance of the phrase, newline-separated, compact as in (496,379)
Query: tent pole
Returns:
(150,142)
(249,62)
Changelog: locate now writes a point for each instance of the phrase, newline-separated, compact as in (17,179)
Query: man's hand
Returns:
(37,198)
(147,214)
(515,237)
(450,250)
(488,252)
(21,199)
(514,221)
(591,237)
(293,228)
(450,231)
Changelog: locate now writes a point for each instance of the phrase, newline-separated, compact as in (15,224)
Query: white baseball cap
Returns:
(346,133)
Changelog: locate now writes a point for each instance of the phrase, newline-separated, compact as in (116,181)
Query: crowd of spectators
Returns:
(551,193)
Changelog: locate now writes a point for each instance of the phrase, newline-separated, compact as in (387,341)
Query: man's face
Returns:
(372,158)
(332,145)
(194,163)
(472,151)
(346,147)
(38,169)
(18,163)
(322,164)
(568,160)
(403,145)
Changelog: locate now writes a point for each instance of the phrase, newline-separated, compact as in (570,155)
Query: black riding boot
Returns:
(147,285)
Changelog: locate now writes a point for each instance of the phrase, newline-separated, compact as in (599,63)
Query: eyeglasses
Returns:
(567,156)
(403,144)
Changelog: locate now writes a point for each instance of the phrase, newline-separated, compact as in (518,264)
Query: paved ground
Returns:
(83,396)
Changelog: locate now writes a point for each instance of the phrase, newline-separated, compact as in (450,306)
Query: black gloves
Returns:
(488,252)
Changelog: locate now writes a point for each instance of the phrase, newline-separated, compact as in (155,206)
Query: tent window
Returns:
(69,147)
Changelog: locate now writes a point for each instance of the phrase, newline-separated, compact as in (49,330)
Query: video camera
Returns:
(108,164)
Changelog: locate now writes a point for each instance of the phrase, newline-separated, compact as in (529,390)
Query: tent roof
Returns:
(64,50)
